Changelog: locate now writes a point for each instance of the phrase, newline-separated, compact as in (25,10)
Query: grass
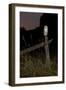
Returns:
(33,65)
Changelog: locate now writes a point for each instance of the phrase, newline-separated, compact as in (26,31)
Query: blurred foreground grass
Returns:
(33,65)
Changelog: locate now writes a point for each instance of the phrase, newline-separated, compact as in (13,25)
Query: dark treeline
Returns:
(30,38)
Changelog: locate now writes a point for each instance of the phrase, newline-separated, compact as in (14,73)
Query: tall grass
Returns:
(32,65)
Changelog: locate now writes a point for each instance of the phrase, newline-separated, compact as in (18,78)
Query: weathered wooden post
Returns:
(46,47)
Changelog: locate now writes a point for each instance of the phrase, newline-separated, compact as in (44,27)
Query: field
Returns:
(33,64)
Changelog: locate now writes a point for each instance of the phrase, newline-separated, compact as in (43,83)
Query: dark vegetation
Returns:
(33,64)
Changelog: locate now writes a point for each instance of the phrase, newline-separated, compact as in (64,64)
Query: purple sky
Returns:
(29,20)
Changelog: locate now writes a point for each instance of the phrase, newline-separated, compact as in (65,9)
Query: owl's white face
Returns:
(45,30)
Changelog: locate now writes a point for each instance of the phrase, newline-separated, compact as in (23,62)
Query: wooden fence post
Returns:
(47,47)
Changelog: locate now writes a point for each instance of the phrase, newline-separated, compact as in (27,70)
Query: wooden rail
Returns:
(34,47)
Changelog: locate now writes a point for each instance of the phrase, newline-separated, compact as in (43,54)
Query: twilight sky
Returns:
(29,20)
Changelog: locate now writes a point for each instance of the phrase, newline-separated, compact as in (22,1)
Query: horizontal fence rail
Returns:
(34,47)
